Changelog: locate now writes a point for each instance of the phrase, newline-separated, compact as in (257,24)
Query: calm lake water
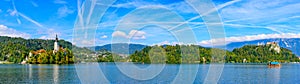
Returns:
(231,74)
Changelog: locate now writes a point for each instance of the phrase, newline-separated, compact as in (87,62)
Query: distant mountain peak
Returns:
(120,48)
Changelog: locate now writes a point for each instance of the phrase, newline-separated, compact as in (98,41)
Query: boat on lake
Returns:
(274,64)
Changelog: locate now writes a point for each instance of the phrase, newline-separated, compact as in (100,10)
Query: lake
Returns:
(77,73)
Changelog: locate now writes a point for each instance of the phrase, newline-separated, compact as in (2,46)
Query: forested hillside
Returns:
(261,53)
(34,44)
(249,53)
(17,49)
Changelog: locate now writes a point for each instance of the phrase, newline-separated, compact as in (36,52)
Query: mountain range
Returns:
(119,48)
(292,44)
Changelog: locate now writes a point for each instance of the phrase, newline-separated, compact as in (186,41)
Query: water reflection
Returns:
(41,73)
(274,74)
(55,74)
(30,71)
(232,74)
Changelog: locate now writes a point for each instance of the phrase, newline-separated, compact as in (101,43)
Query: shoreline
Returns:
(152,63)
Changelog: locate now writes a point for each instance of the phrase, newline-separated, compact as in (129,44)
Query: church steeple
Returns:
(56,39)
(56,48)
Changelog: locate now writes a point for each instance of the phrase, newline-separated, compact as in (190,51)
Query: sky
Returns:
(243,20)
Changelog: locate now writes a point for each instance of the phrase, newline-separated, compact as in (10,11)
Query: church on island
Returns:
(56,48)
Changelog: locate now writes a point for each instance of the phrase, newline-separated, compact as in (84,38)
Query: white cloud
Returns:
(119,34)
(64,11)
(44,37)
(49,34)
(134,34)
(5,31)
(217,42)
(170,43)
(104,36)
(83,42)
(60,2)
(164,43)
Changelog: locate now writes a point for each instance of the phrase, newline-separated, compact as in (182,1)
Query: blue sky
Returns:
(243,20)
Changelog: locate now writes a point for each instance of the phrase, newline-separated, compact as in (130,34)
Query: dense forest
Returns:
(248,53)
(260,54)
(34,44)
(171,54)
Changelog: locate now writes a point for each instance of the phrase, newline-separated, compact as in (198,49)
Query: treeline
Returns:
(195,54)
(34,44)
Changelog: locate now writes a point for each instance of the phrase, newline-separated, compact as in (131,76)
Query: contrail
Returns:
(204,14)
(16,12)
(93,3)
(80,12)
(198,27)
(208,12)
(243,19)
(24,16)
(31,20)
(236,20)
(270,28)
(154,22)
(263,27)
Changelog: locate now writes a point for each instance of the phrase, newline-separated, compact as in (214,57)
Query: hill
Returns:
(261,54)
(34,44)
(120,48)
(292,44)
(249,53)
(17,49)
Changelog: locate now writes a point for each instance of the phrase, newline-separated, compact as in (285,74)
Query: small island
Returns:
(58,55)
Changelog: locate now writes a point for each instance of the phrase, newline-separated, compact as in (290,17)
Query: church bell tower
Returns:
(56,47)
